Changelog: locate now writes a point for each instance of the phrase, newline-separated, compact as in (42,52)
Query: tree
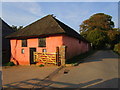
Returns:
(16,28)
(97,30)
(98,21)
(97,38)
(114,37)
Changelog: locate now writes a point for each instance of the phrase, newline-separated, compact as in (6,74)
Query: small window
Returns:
(42,42)
(24,43)
(22,51)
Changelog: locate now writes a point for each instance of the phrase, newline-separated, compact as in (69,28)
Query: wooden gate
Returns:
(45,57)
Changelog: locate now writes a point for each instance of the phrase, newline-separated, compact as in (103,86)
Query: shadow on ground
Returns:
(103,54)
(33,83)
(99,56)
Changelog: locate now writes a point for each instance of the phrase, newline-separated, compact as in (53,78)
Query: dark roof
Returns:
(5,28)
(47,25)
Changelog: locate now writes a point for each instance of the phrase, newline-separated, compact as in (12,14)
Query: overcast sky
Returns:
(71,13)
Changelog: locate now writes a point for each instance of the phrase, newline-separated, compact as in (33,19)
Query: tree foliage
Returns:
(117,48)
(98,21)
(97,38)
(114,37)
(99,30)
(16,28)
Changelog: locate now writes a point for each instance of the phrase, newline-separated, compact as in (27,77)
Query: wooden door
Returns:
(32,55)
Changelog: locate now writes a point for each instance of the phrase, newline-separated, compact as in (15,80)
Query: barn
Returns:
(46,40)
(6,51)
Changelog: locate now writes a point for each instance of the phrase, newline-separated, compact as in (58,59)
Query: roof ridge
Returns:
(58,23)
(64,24)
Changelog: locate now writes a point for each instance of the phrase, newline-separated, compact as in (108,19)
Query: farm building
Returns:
(39,42)
(6,51)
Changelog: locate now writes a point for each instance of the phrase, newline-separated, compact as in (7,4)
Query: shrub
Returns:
(117,48)
(10,64)
(41,65)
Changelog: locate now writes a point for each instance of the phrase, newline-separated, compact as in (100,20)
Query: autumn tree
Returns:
(98,21)
(95,29)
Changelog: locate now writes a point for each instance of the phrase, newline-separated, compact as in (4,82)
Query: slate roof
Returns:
(47,25)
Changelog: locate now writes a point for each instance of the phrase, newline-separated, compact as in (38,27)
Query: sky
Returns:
(70,13)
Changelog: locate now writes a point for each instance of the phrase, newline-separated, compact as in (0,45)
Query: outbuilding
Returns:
(6,51)
(46,35)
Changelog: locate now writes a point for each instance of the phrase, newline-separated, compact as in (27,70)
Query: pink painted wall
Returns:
(74,47)
(23,59)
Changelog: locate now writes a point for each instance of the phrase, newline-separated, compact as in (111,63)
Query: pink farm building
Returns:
(44,36)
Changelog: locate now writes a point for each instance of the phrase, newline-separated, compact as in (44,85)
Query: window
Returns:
(42,42)
(24,43)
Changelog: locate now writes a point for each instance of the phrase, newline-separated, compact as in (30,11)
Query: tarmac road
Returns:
(98,71)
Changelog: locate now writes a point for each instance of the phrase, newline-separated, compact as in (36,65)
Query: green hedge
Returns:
(117,48)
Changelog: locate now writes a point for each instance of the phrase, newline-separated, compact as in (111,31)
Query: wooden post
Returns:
(57,56)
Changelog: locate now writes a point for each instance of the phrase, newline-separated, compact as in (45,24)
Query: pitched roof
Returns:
(47,25)
(5,28)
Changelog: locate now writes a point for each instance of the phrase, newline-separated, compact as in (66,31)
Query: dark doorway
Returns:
(32,55)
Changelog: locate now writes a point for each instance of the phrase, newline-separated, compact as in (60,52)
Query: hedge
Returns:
(117,48)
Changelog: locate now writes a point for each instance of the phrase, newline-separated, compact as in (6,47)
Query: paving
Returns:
(98,71)
(25,76)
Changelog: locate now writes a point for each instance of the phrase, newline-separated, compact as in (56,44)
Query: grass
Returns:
(80,57)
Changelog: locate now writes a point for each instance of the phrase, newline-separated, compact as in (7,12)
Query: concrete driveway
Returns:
(25,76)
(98,71)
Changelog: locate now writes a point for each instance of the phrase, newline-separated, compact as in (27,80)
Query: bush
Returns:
(117,48)
(41,65)
(10,64)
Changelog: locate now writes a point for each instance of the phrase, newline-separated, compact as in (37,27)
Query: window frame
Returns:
(24,42)
(42,42)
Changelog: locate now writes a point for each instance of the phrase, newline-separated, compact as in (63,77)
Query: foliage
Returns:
(16,28)
(114,37)
(41,65)
(98,30)
(117,48)
(10,64)
(99,21)
(97,38)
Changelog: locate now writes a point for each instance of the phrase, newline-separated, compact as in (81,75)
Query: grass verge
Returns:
(80,57)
